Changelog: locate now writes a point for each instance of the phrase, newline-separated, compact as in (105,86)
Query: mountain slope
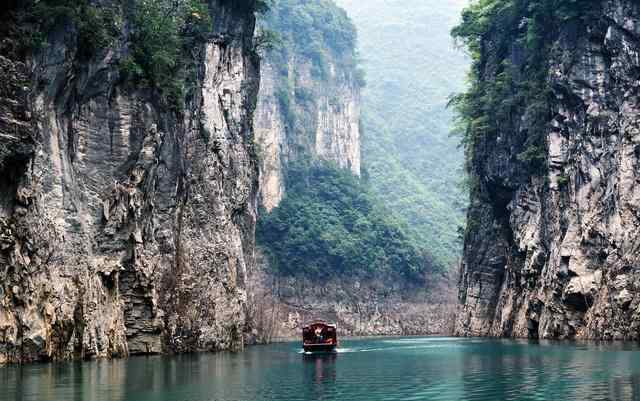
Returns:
(412,67)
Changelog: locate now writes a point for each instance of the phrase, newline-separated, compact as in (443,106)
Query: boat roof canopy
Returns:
(319,322)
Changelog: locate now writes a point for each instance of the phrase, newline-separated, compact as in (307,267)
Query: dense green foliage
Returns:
(262,6)
(516,97)
(412,68)
(329,223)
(162,42)
(96,27)
(317,30)
(166,33)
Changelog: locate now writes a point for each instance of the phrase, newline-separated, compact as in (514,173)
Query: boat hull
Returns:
(319,348)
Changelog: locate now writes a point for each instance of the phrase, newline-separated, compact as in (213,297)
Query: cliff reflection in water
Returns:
(371,370)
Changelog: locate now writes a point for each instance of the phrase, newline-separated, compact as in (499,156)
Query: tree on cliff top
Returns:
(517,95)
(318,30)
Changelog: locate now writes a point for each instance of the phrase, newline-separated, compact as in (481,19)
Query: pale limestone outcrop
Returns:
(326,125)
(271,135)
(557,256)
(123,228)
(385,305)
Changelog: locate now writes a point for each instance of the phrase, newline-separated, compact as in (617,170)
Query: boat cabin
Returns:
(319,336)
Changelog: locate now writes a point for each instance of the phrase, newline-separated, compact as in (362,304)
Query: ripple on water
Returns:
(436,369)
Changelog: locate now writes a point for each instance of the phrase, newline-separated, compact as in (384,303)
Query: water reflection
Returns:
(372,370)
(68,381)
(528,370)
(319,377)
(321,368)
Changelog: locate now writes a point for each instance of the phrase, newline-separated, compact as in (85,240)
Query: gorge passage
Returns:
(141,142)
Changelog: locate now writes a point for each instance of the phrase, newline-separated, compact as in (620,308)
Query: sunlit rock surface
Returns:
(327,125)
(124,230)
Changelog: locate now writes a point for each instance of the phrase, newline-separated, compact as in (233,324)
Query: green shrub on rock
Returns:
(164,31)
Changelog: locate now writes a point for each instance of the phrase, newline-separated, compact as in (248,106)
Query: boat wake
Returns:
(400,344)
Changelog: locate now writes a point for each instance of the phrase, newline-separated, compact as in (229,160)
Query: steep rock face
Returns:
(123,229)
(270,132)
(281,306)
(556,256)
(308,116)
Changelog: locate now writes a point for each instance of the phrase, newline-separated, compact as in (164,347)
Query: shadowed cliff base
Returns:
(374,306)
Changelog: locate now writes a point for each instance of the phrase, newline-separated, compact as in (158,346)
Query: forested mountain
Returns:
(330,224)
(412,67)
(320,218)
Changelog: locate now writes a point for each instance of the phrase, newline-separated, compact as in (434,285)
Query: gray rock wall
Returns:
(123,229)
(325,124)
(557,255)
(280,306)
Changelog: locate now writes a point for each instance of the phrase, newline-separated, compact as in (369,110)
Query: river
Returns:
(372,370)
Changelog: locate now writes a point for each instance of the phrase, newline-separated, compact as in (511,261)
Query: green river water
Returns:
(372,370)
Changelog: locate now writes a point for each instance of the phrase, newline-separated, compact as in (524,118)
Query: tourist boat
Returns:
(319,336)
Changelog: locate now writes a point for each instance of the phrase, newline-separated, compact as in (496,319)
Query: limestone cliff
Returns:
(553,252)
(280,306)
(331,130)
(306,108)
(124,229)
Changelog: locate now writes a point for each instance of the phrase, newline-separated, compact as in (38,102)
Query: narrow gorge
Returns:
(142,145)
(191,175)
(329,247)
(306,200)
(552,136)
